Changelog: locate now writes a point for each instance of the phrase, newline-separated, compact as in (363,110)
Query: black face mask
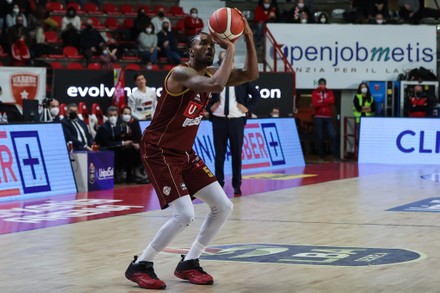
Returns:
(73,115)
(161,14)
(418,94)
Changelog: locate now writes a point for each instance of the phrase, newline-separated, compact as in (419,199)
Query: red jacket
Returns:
(323,101)
(262,15)
(20,53)
(193,26)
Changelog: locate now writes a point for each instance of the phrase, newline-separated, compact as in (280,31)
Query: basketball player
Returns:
(176,172)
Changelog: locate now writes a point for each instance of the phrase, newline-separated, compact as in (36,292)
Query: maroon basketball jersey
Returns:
(176,119)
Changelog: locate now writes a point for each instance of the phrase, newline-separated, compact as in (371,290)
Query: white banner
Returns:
(20,83)
(400,141)
(346,55)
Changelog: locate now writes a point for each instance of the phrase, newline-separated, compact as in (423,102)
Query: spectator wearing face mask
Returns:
(167,43)
(54,109)
(20,52)
(193,24)
(379,7)
(379,19)
(266,11)
(76,130)
(363,106)
(323,100)
(110,137)
(147,45)
(70,28)
(159,19)
(140,23)
(322,18)
(131,130)
(12,16)
(299,13)
(275,113)
(108,57)
(90,41)
(418,103)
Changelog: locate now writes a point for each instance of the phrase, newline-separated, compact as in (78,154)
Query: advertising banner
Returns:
(345,55)
(33,163)
(89,86)
(269,144)
(276,90)
(400,141)
(22,83)
(93,170)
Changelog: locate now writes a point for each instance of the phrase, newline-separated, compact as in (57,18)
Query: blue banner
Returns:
(269,144)
(34,162)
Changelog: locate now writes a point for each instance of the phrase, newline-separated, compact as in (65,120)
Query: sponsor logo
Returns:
(24,86)
(193,110)
(307,254)
(166,190)
(431,205)
(409,141)
(51,210)
(192,122)
(104,174)
(92,173)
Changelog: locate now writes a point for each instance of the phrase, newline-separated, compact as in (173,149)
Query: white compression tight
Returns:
(183,214)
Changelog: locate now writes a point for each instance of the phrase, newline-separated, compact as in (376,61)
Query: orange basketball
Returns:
(227,23)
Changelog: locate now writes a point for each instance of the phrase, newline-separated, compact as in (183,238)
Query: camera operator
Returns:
(46,114)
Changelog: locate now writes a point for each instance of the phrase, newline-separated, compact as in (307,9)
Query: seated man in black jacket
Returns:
(110,137)
(76,130)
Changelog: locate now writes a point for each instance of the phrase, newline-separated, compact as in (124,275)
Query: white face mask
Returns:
(266,6)
(364,90)
(126,117)
(113,120)
(148,30)
(379,21)
(275,115)
(194,15)
(323,20)
(9,1)
(16,10)
(300,5)
(303,20)
(54,111)
(105,52)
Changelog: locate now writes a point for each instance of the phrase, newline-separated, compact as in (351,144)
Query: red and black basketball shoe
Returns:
(192,271)
(142,273)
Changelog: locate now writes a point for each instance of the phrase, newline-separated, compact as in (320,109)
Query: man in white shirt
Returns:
(229,111)
(143,100)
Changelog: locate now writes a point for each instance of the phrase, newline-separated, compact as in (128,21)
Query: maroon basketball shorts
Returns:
(175,173)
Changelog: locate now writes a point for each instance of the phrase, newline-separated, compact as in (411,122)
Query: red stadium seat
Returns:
(97,23)
(55,7)
(94,66)
(158,7)
(168,67)
(132,66)
(76,6)
(96,110)
(62,112)
(128,23)
(52,37)
(128,9)
(83,112)
(153,67)
(58,19)
(111,23)
(110,9)
(177,11)
(146,8)
(56,65)
(71,52)
(75,65)
(92,9)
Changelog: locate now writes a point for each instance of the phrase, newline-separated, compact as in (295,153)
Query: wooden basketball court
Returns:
(327,227)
